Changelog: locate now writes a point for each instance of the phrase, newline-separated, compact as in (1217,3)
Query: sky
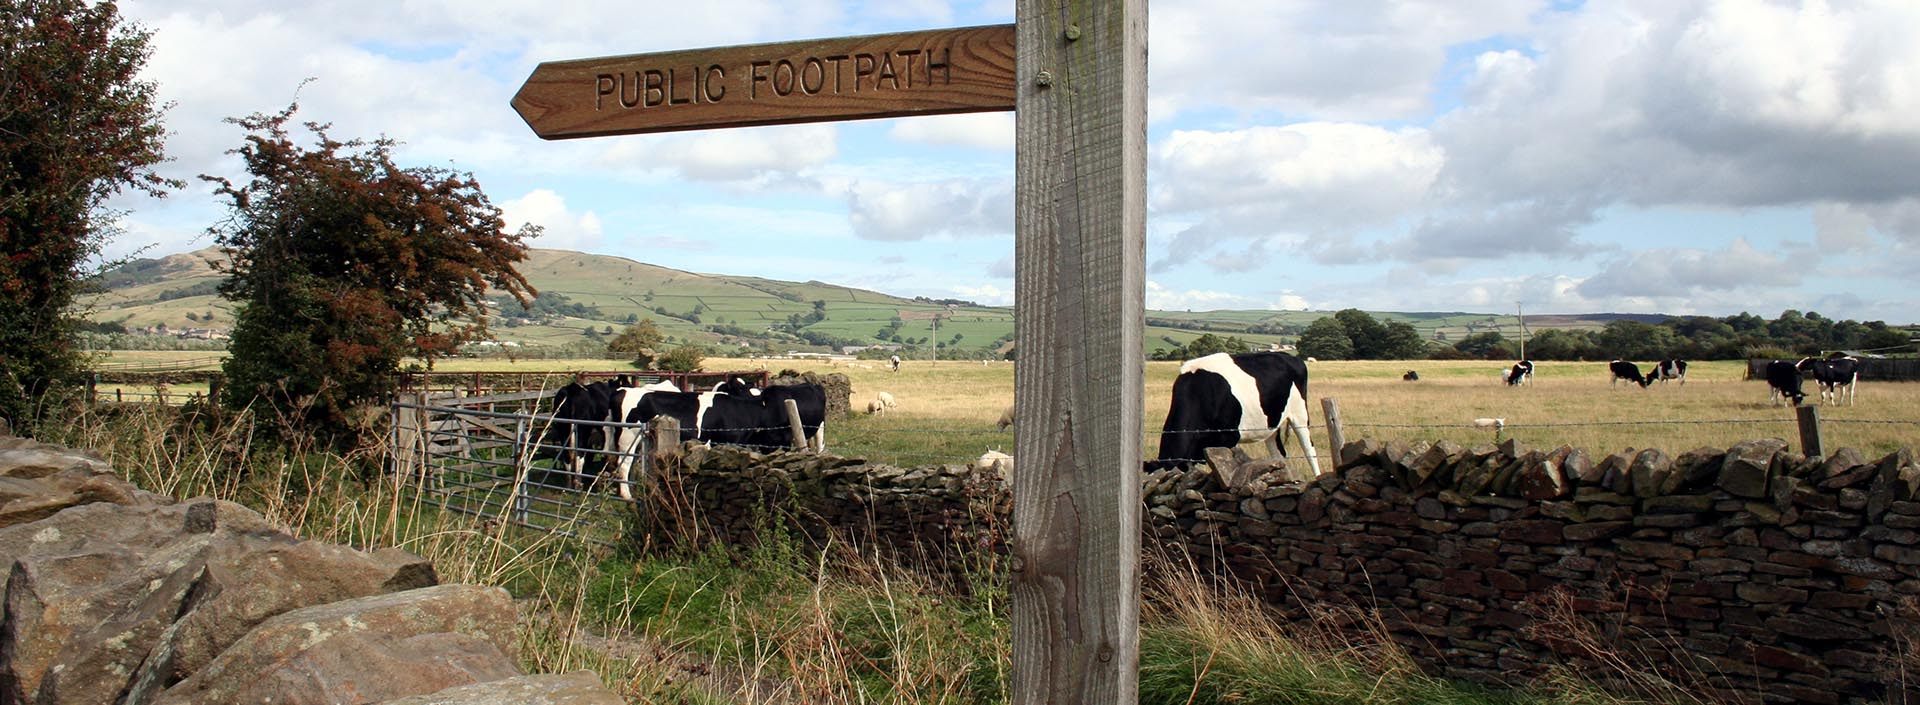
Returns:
(1648,156)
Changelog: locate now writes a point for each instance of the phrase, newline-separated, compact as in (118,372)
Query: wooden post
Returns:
(119,396)
(793,424)
(1810,444)
(1080,234)
(1336,436)
(213,390)
(521,464)
(93,391)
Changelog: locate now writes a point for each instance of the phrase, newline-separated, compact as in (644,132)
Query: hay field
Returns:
(947,409)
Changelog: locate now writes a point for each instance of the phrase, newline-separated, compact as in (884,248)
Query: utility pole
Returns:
(1518,313)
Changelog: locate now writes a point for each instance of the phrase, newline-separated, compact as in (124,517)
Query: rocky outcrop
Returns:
(116,595)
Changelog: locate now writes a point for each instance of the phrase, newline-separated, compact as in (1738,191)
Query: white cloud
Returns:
(564,230)
(985,294)
(980,130)
(729,155)
(1728,103)
(917,211)
(1365,61)
(1161,298)
(1681,272)
(1301,182)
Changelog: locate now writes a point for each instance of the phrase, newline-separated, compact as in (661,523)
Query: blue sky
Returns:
(1656,156)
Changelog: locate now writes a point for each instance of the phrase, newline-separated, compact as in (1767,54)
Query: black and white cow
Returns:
(1222,400)
(625,443)
(809,398)
(567,441)
(1831,375)
(1783,381)
(1520,373)
(1628,371)
(1669,369)
(758,421)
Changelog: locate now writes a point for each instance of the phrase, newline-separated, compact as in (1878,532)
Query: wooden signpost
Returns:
(883,75)
(1077,83)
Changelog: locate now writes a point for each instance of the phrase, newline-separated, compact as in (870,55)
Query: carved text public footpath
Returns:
(931,72)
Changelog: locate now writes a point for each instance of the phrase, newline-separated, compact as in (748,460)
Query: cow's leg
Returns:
(628,440)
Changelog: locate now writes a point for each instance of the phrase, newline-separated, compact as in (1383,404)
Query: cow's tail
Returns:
(1296,417)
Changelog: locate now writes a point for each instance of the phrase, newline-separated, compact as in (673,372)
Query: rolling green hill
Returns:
(603,293)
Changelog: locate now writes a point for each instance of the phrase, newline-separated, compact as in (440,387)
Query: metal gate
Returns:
(484,456)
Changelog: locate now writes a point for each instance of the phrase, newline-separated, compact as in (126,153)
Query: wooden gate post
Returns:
(1336,435)
(1080,240)
(521,465)
(1810,431)
(793,424)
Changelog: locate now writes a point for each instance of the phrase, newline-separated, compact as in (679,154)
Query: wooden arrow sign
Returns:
(963,70)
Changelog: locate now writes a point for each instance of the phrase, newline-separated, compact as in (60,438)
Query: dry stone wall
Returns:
(116,595)
(1749,574)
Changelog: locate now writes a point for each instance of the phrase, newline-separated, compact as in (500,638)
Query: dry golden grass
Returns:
(1568,403)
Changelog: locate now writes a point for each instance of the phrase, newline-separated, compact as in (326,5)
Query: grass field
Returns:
(787,622)
(948,409)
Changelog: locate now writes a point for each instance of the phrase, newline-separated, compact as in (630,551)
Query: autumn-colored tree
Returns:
(76,127)
(344,263)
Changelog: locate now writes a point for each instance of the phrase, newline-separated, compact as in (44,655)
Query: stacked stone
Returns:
(115,595)
(1754,573)
(1751,574)
(946,514)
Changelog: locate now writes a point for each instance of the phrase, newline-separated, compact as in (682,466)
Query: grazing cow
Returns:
(567,441)
(1520,373)
(1669,369)
(1831,375)
(1410,376)
(1223,400)
(1628,371)
(1783,382)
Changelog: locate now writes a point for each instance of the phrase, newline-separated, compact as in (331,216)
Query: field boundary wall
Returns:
(1744,574)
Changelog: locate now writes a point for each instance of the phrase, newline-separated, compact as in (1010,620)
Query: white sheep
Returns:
(995,460)
(886,400)
(1006,418)
(1495,424)
(874,407)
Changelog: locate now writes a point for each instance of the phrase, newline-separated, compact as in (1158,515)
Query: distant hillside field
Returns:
(731,312)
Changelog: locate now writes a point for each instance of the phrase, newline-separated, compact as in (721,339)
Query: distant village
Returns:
(164,330)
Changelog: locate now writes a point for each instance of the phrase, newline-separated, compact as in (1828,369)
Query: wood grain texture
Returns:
(1080,260)
(933,72)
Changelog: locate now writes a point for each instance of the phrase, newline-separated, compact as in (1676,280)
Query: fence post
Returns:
(793,424)
(520,465)
(1336,436)
(119,396)
(1810,431)
(93,393)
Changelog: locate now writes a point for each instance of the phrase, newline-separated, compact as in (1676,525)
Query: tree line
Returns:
(1740,336)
